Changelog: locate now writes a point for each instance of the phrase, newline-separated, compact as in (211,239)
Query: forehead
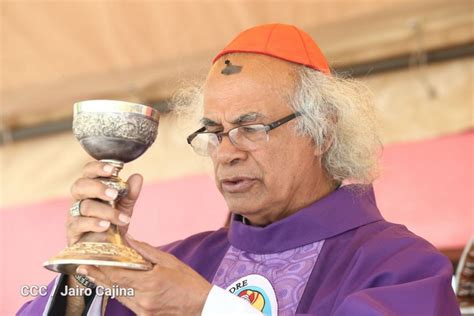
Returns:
(264,84)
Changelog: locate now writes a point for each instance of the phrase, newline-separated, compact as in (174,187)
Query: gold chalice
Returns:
(115,132)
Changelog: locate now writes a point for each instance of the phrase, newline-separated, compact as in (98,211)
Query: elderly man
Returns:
(283,134)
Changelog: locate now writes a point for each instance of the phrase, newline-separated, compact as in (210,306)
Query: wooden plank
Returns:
(403,30)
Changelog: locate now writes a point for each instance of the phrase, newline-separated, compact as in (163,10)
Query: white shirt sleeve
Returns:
(221,302)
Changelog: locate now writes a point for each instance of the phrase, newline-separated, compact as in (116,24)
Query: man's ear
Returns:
(320,150)
(317,151)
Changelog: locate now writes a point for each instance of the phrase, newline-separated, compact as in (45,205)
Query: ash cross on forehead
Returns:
(230,69)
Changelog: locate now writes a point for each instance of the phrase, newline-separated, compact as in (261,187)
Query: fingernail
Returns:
(111,193)
(108,168)
(91,279)
(81,271)
(104,224)
(124,218)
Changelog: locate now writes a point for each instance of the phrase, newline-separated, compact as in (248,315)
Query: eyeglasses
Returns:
(245,137)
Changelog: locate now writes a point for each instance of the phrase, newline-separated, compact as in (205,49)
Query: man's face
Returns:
(283,175)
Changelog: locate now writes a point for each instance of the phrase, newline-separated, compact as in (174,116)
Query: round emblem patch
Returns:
(256,290)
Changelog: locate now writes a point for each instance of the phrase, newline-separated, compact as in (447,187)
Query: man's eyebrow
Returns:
(208,122)
(244,118)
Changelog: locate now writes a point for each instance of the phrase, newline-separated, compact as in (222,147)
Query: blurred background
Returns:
(416,56)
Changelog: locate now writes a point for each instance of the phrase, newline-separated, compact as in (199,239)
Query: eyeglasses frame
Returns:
(220,135)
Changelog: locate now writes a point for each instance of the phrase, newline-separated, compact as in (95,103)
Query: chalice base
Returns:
(97,254)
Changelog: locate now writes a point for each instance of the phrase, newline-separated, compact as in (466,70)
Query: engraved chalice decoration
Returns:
(115,132)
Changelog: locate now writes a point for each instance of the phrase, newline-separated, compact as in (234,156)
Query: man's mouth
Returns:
(237,184)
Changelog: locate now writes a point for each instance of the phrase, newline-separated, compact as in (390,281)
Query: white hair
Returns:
(337,113)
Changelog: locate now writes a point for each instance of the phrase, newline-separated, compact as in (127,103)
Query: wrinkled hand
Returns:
(170,288)
(96,216)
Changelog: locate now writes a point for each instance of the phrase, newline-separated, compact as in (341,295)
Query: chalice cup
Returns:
(114,132)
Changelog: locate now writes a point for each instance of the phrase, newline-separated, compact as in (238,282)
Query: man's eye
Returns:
(249,129)
(213,130)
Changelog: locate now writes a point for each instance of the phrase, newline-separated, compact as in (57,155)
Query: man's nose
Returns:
(228,153)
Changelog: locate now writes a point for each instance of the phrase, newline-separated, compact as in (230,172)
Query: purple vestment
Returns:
(345,259)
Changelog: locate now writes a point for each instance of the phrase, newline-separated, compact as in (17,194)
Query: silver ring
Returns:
(84,281)
(75,209)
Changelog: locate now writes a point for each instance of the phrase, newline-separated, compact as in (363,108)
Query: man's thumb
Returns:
(148,252)
(126,203)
